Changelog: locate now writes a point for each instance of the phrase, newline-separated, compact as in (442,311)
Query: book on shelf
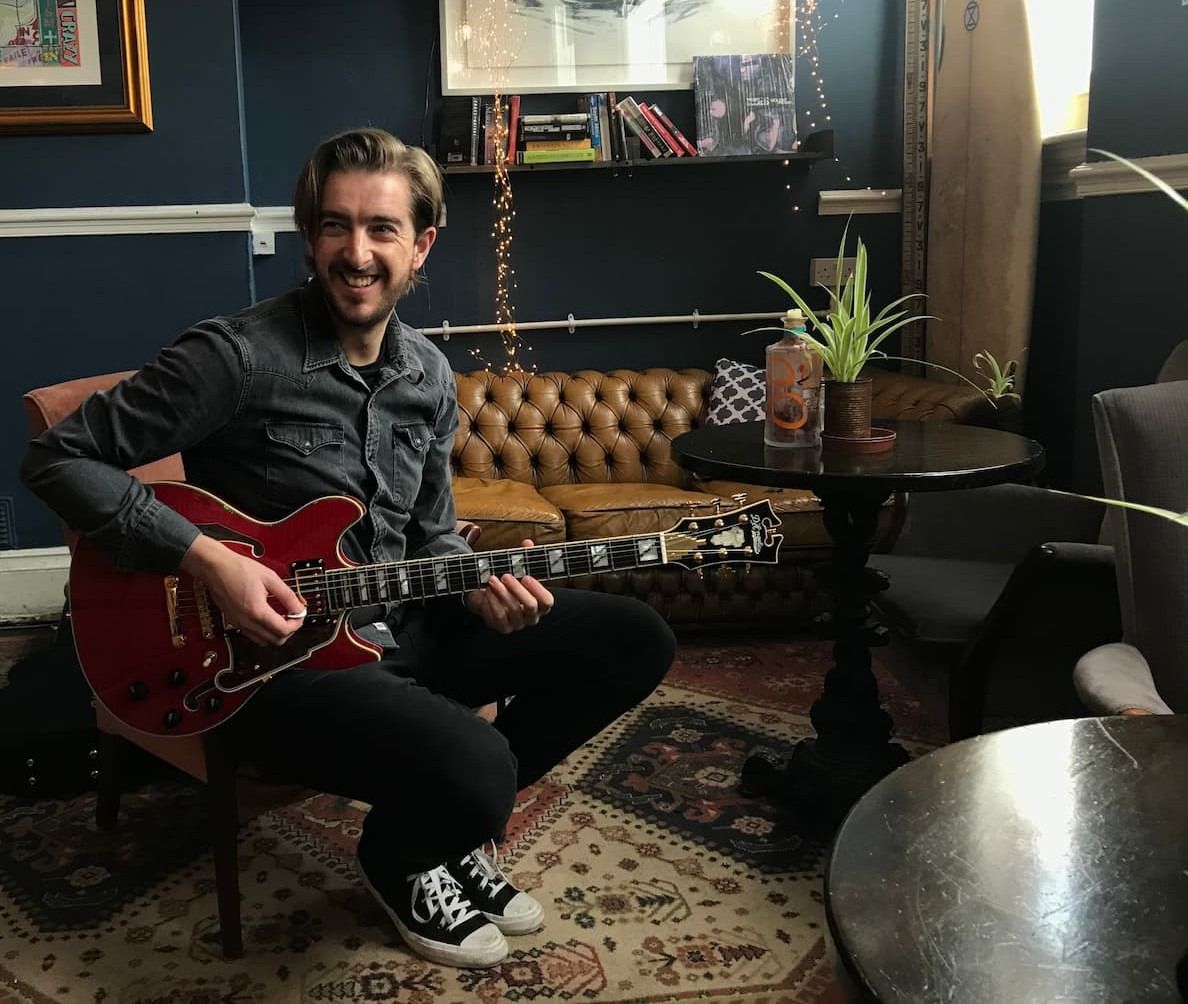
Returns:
(513,126)
(648,137)
(597,136)
(588,154)
(559,144)
(559,118)
(606,150)
(571,131)
(673,131)
(667,137)
(745,104)
(487,134)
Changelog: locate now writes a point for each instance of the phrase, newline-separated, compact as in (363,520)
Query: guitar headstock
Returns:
(747,533)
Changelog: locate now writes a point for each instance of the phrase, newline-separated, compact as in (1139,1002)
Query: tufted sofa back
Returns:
(588,427)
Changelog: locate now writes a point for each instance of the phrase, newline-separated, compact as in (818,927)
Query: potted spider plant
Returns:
(847,338)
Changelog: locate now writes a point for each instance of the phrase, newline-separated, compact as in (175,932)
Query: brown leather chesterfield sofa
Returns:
(573,456)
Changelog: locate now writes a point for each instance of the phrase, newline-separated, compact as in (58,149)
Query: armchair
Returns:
(1144,458)
(206,758)
(1005,582)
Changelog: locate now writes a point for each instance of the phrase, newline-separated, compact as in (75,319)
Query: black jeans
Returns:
(401,734)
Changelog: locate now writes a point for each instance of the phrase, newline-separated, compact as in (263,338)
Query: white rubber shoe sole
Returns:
(524,915)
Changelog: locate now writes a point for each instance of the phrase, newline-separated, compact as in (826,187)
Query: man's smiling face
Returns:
(366,250)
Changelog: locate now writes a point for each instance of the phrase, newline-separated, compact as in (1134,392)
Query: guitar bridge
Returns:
(176,637)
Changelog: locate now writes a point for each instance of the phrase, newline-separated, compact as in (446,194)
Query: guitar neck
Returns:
(338,590)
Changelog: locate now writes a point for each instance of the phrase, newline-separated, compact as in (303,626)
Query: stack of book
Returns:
(603,128)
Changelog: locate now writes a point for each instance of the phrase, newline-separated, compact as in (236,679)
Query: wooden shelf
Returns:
(816,146)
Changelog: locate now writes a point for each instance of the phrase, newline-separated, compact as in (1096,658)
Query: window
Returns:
(1061,57)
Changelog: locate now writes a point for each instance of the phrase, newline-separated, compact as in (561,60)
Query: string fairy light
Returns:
(499,44)
(811,21)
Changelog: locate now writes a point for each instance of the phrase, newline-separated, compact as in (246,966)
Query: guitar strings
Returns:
(423,572)
(426,572)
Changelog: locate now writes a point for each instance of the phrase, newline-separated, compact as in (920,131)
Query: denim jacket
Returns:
(268,415)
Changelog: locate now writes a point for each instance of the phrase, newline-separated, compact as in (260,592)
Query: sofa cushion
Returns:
(737,394)
(594,511)
(507,511)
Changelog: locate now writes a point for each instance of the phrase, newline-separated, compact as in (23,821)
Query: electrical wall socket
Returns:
(823,271)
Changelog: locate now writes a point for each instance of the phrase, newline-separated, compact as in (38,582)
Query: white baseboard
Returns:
(32,584)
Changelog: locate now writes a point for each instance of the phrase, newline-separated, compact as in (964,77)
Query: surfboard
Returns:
(983,216)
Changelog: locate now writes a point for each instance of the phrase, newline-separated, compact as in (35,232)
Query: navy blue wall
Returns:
(81,305)
(1134,266)
(193,152)
(666,240)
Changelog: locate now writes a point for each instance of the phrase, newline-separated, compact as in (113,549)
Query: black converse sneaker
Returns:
(488,889)
(436,920)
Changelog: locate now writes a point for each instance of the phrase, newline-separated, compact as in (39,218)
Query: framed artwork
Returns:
(74,66)
(529,46)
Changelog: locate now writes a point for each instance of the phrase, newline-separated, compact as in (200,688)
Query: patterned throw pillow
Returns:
(738,393)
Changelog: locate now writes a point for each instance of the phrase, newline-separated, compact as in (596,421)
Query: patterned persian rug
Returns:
(660,882)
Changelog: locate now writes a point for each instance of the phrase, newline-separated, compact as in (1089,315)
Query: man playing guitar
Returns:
(323,392)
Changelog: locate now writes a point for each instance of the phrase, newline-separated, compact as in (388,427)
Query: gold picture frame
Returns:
(43,88)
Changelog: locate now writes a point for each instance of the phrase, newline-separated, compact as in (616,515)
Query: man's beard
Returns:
(381,315)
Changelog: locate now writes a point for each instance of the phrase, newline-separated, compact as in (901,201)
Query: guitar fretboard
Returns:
(337,590)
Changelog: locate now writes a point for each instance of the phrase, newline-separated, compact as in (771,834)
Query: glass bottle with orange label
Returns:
(793,387)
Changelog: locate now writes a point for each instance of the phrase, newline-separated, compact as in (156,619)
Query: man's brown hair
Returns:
(374,150)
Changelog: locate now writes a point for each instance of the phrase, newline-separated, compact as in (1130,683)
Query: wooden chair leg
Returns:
(224,825)
(107,798)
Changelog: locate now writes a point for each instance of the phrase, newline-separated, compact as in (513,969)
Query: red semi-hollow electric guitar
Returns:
(158,656)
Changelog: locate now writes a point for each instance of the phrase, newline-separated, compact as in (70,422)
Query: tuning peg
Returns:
(700,573)
(716,503)
(739,498)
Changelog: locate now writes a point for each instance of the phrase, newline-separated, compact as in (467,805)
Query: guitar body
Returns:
(153,646)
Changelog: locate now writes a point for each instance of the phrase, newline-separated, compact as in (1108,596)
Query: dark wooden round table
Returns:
(1044,863)
(927,456)
(852,749)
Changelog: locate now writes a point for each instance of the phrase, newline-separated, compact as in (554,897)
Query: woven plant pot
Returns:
(847,409)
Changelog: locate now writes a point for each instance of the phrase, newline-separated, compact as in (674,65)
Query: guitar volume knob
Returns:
(177,677)
(171,718)
(138,690)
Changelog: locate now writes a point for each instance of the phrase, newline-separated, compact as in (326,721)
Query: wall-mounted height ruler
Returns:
(916,55)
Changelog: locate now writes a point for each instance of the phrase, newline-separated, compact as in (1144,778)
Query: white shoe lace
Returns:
(440,892)
(486,870)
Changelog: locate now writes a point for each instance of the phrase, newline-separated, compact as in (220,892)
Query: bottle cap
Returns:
(794,319)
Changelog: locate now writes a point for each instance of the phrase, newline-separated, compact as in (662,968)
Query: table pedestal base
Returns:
(823,777)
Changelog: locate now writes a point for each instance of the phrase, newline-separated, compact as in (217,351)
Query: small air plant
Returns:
(1000,380)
